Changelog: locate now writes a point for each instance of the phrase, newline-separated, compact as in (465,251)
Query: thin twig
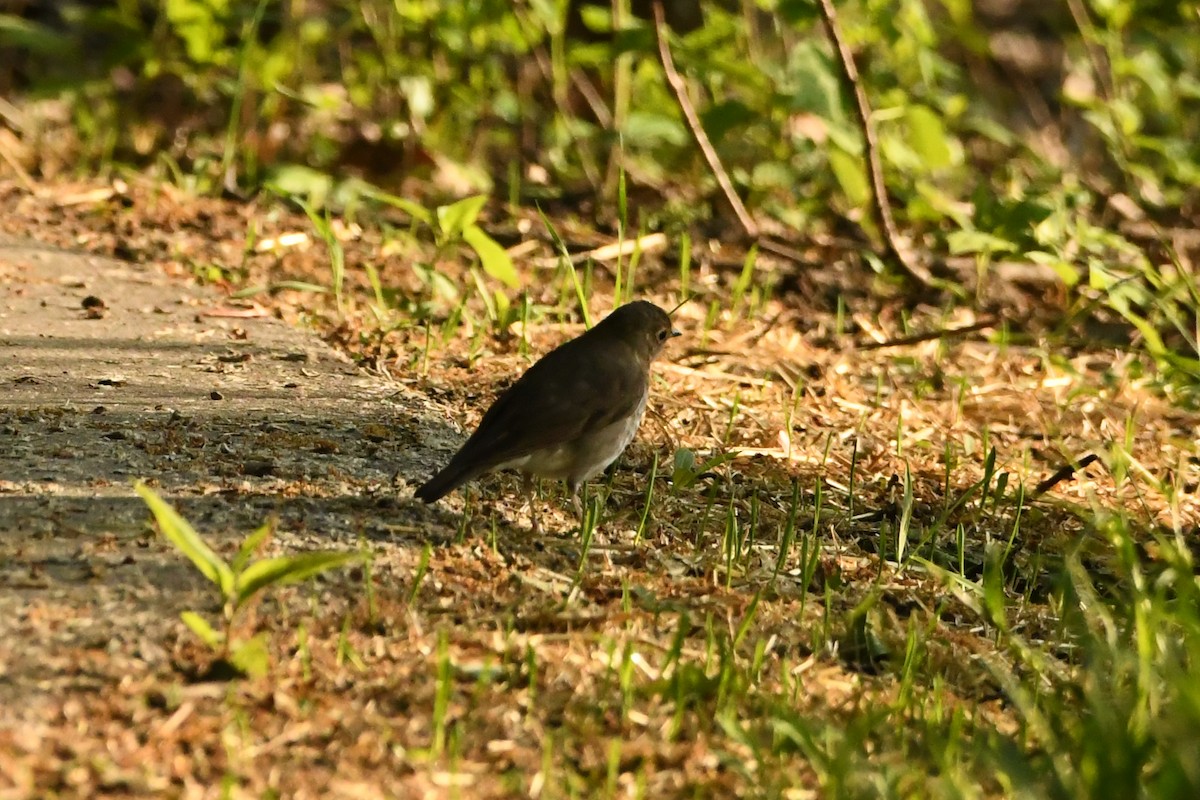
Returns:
(1065,472)
(882,206)
(1095,53)
(941,333)
(693,119)
(583,84)
(20,172)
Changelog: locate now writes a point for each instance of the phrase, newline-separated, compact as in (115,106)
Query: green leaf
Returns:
(565,256)
(817,87)
(772,175)
(722,118)
(456,217)
(295,180)
(19,33)
(177,531)
(851,176)
(288,569)
(796,12)
(992,583)
(251,544)
(648,129)
(927,136)
(977,242)
(1067,272)
(199,626)
(683,471)
(299,286)
(410,207)
(201,24)
(251,657)
(495,260)
(504,309)
(597,19)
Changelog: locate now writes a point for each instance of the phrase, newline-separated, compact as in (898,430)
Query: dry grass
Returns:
(694,659)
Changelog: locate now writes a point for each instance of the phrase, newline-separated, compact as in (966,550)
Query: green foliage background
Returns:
(961,100)
(1066,136)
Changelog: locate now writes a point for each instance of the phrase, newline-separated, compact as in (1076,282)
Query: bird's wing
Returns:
(572,391)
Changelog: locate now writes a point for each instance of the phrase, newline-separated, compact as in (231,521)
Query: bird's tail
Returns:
(449,478)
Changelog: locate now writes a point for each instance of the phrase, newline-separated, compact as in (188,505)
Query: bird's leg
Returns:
(529,489)
(576,502)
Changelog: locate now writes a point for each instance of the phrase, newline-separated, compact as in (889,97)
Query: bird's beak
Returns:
(675,333)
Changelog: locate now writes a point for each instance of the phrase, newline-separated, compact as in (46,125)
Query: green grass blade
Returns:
(283,570)
(251,544)
(559,245)
(180,533)
(199,626)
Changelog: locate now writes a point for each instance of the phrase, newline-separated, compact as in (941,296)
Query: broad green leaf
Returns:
(994,599)
(201,24)
(288,569)
(927,136)
(817,87)
(181,534)
(495,260)
(199,626)
(648,129)
(456,217)
(250,656)
(851,176)
(977,242)
(297,181)
(251,544)
(1066,271)
(684,468)
(772,175)
(597,19)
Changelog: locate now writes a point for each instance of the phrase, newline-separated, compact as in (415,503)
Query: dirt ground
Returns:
(113,372)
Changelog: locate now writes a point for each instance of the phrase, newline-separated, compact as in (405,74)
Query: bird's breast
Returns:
(595,451)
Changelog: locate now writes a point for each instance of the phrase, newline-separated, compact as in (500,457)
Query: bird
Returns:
(571,414)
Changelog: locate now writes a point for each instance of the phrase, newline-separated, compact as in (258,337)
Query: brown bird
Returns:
(571,414)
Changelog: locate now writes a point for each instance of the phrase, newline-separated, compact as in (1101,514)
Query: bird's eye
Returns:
(662,336)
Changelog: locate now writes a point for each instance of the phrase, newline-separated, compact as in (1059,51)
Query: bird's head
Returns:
(643,325)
